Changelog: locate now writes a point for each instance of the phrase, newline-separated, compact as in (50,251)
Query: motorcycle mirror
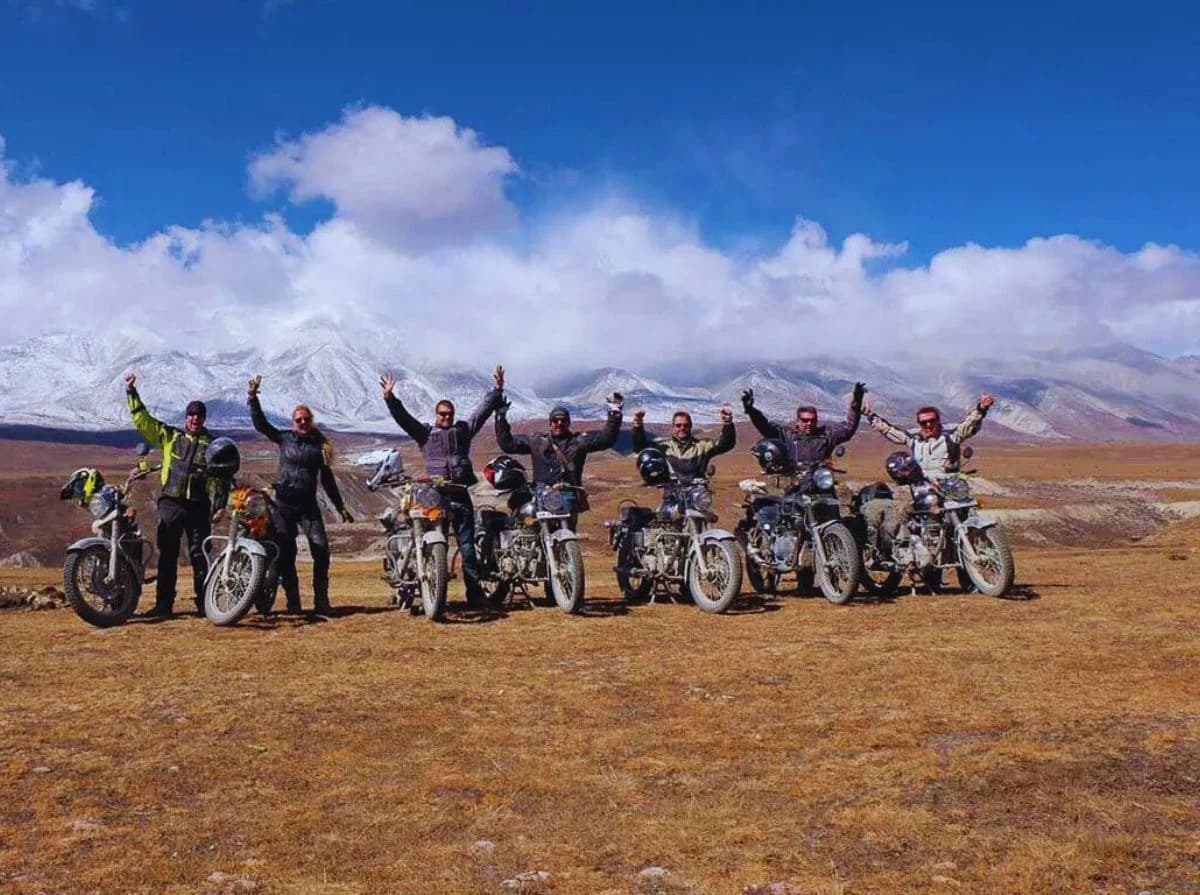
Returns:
(968,452)
(142,449)
(839,451)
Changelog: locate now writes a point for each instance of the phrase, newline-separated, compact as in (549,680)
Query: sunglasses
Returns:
(445,412)
(683,425)
(196,413)
(807,419)
(928,421)
(302,419)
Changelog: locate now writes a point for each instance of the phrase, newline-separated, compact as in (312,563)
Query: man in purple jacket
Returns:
(446,447)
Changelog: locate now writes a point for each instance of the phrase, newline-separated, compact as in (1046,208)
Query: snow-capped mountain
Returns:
(71,382)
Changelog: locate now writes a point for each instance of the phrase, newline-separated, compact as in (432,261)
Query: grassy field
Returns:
(1049,743)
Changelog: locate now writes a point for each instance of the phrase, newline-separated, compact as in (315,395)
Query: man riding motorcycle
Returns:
(446,447)
(935,450)
(808,442)
(689,456)
(185,504)
(558,457)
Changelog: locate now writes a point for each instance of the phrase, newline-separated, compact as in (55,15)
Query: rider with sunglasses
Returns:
(305,457)
(808,442)
(935,449)
(688,456)
(446,447)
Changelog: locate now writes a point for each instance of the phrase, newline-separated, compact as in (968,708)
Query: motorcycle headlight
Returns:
(427,497)
(822,479)
(701,498)
(925,499)
(956,488)
(103,502)
(552,500)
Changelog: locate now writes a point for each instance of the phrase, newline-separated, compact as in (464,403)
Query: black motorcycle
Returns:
(797,530)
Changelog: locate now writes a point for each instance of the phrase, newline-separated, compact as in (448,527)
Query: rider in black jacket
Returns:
(558,457)
(808,442)
(304,457)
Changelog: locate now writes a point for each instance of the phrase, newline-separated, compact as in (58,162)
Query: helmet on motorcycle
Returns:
(903,468)
(772,456)
(82,485)
(653,467)
(867,493)
(505,473)
(387,472)
(222,458)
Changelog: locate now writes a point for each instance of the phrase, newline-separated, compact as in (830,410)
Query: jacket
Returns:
(301,462)
(937,456)
(446,451)
(558,459)
(689,457)
(184,474)
(808,450)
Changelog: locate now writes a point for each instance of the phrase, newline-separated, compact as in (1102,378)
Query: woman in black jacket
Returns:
(305,455)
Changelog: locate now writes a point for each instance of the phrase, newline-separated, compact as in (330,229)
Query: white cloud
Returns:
(407,181)
(418,244)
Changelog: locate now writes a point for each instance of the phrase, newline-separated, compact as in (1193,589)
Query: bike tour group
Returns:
(792,523)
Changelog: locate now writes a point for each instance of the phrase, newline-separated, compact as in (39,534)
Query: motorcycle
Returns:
(799,531)
(945,531)
(245,572)
(103,574)
(414,559)
(533,542)
(673,548)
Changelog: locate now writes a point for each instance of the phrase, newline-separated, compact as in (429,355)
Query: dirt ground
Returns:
(1046,743)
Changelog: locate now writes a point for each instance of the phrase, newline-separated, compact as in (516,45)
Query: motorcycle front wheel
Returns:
(716,590)
(839,575)
(433,584)
(567,586)
(993,574)
(96,600)
(227,599)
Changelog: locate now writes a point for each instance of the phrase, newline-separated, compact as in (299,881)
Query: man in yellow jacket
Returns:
(185,503)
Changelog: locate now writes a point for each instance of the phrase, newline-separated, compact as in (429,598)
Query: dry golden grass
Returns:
(952,743)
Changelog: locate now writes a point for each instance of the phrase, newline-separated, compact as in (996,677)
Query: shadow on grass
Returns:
(753,604)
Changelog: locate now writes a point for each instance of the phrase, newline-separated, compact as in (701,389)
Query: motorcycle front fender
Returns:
(84,543)
(434,536)
(563,534)
(715,534)
(979,520)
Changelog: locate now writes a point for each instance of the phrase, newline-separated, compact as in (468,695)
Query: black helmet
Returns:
(903,468)
(505,473)
(772,456)
(222,458)
(653,467)
(873,491)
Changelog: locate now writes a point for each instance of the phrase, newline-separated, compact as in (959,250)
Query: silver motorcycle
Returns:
(414,559)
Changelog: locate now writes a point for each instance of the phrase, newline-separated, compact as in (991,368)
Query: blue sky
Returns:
(775,176)
(922,125)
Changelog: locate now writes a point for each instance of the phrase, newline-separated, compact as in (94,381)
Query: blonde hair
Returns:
(326,444)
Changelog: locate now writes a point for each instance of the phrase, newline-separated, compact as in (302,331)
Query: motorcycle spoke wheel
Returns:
(94,598)
(226,601)
(839,575)
(716,588)
(567,586)
(994,569)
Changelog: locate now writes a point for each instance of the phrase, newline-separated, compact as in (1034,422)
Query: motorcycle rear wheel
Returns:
(225,602)
(96,602)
